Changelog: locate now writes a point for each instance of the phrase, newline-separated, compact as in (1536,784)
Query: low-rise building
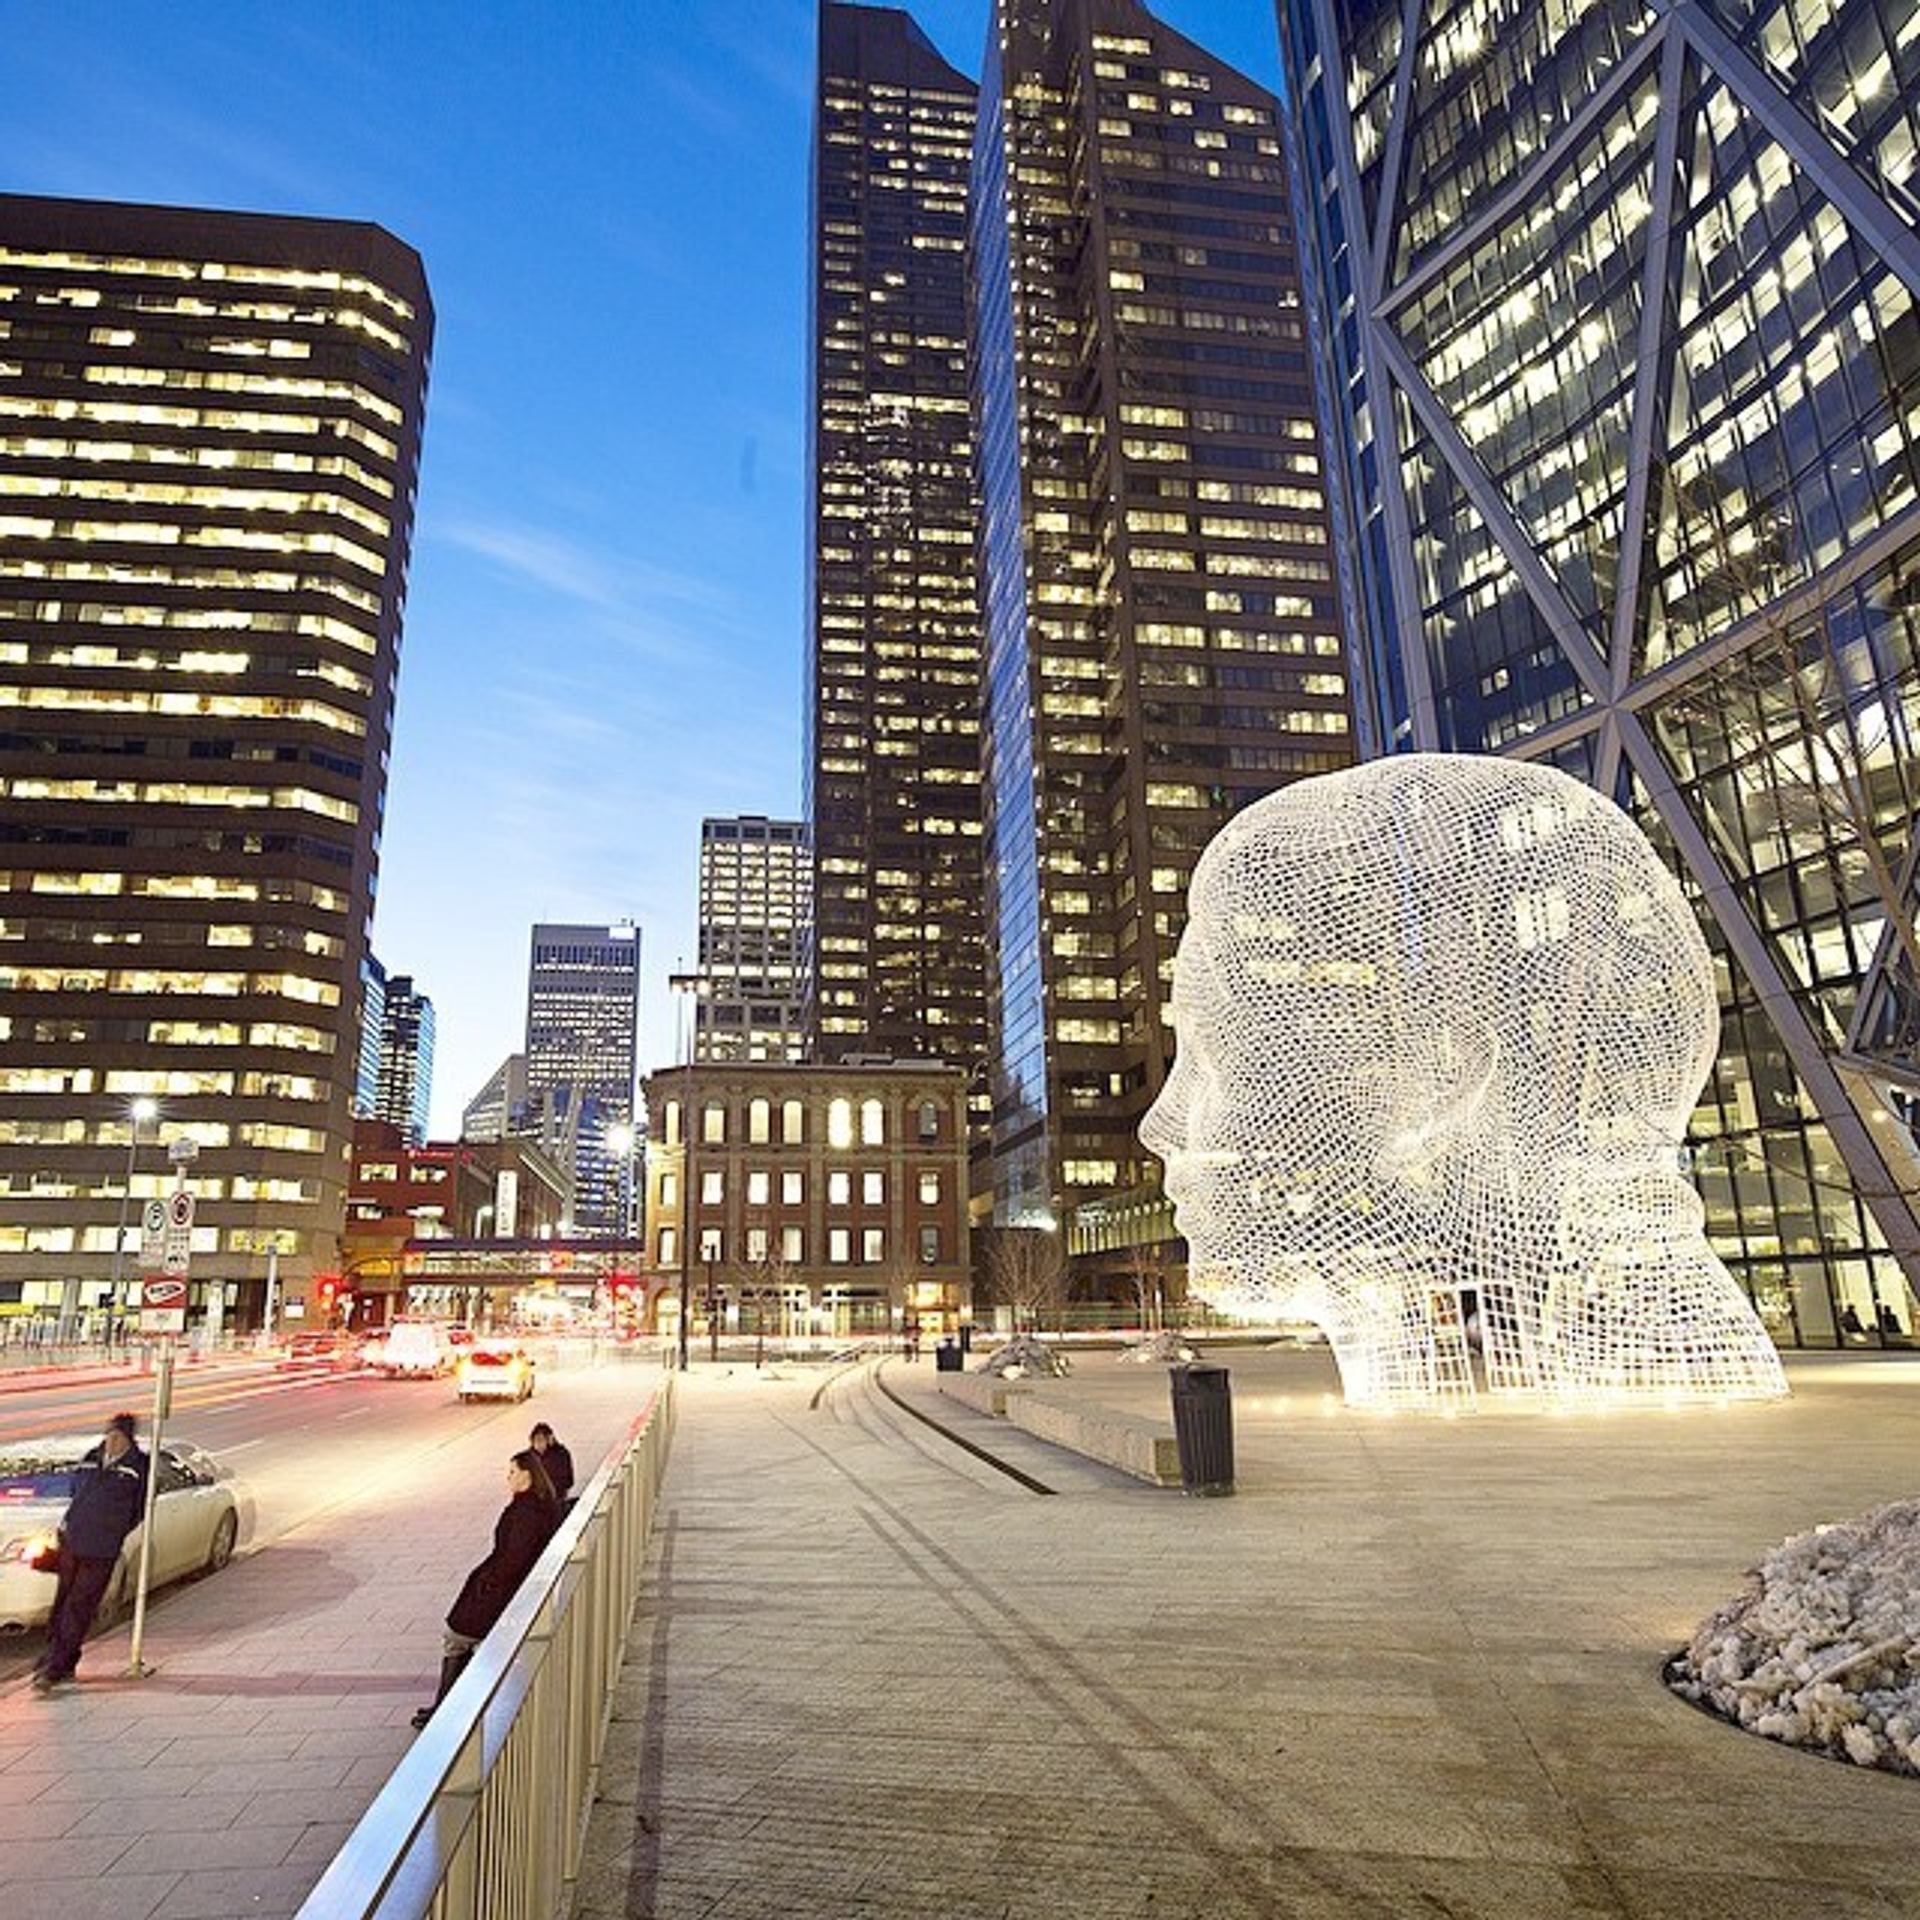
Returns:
(825,1199)
(464,1190)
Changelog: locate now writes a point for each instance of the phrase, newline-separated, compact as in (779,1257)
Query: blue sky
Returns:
(603,637)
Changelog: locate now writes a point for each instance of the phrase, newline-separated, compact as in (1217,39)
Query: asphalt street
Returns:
(300,1445)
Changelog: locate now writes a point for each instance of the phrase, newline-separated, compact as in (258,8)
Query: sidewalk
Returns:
(37,1376)
(224,1783)
(1411,1668)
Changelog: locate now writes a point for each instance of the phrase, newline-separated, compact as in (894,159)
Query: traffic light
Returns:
(326,1293)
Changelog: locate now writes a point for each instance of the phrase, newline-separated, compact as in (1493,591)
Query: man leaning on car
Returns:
(108,1499)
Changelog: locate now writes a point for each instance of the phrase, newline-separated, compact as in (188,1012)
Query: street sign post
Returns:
(137,1668)
(164,1298)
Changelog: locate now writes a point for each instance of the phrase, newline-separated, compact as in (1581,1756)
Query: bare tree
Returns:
(764,1286)
(1147,1282)
(1026,1268)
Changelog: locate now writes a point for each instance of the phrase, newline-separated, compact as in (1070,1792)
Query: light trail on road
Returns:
(304,1448)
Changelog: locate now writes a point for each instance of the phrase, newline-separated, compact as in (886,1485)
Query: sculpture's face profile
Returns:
(1440,1021)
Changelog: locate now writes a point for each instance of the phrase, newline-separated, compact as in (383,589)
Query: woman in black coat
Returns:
(519,1536)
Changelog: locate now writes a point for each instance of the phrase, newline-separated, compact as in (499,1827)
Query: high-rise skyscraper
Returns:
(1162,627)
(405,1093)
(490,1114)
(893,761)
(1619,306)
(756,880)
(209,427)
(373,1019)
(583,1034)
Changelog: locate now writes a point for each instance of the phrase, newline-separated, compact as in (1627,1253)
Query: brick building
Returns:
(459,1190)
(828,1199)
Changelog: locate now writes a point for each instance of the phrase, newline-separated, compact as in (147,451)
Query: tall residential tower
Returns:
(893,776)
(209,428)
(1619,301)
(1163,635)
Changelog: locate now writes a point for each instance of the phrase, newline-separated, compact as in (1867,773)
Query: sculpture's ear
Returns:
(1440,1094)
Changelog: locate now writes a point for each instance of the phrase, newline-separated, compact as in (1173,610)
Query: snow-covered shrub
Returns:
(1822,1650)
(1026,1354)
(1159,1350)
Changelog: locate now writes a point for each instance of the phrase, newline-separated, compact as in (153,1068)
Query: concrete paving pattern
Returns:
(1410,1669)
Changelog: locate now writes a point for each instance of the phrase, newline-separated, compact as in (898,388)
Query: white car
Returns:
(196,1522)
(412,1350)
(490,1371)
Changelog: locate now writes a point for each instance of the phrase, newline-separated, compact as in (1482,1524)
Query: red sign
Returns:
(163,1306)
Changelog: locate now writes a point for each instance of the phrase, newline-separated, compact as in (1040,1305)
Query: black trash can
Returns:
(1203,1425)
(947,1355)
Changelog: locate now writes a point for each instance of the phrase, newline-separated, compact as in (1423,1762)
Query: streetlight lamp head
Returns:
(620,1138)
(143,1110)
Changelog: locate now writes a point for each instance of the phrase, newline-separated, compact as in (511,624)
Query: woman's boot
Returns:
(452,1666)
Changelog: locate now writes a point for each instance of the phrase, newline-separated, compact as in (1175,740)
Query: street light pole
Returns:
(695,984)
(141,1111)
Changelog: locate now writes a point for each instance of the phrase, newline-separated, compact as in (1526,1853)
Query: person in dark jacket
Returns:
(109,1497)
(557,1461)
(519,1535)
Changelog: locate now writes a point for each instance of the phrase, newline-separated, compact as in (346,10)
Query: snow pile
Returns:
(1823,1648)
(1024,1354)
(1159,1350)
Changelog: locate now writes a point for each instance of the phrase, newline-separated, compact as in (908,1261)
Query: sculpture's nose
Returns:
(1163,1127)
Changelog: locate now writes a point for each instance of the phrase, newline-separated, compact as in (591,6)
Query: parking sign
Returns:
(153,1235)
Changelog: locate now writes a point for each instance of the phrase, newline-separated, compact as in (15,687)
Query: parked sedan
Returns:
(196,1523)
(494,1372)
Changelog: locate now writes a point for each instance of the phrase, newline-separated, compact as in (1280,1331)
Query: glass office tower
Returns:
(583,1037)
(209,429)
(1618,304)
(893,726)
(1162,624)
(756,886)
(404,1095)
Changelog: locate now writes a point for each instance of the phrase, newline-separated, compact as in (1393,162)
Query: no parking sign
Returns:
(163,1306)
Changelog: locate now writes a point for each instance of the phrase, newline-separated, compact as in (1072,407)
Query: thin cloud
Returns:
(541,559)
(607,582)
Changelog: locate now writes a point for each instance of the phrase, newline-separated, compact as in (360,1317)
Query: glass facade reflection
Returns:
(1619,310)
(1158,577)
(898,963)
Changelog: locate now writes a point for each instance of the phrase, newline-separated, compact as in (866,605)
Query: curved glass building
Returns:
(1617,306)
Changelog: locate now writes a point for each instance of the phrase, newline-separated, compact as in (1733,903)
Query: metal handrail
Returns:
(487,1813)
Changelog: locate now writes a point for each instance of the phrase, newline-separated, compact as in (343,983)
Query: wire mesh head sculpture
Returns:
(1441,1021)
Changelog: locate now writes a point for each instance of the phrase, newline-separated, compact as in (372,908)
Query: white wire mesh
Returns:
(1441,1022)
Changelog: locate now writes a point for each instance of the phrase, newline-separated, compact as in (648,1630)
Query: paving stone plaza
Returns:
(1411,1668)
